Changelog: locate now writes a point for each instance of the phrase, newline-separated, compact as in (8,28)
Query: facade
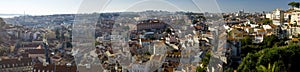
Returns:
(151,24)
(138,67)
(16,65)
(295,18)
(33,53)
(53,68)
(277,16)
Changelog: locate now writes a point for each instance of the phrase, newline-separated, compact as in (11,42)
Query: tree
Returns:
(3,50)
(69,45)
(269,41)
(294,4)
(204,62)
(247,46)
(283,58)
(246,41)
(262,68)
(57,34)
(148,53)
(126,28)
(206,59)
(229,70)
(97,43)
(267,21)
(199,69)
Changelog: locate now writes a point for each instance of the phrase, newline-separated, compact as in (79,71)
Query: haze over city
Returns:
(48,7)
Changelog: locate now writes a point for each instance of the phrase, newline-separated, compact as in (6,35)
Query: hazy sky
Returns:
(45,7)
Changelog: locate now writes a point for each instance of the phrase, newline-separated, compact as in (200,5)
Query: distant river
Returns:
(9,15)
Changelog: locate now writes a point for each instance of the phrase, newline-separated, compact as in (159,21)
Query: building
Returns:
(151,24)
(16,65)
(39,67)
(295,17)
(277,16)
(138,67)
(34,53)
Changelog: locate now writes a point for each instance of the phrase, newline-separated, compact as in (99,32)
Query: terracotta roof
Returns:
(261,30)
(273,26)
(35,51)
(230,38)
(198,27)
(239,34)
(269,30)
(295,39)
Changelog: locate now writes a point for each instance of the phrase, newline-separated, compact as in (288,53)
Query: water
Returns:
(8,16)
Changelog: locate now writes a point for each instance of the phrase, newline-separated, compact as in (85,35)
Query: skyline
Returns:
(48,7)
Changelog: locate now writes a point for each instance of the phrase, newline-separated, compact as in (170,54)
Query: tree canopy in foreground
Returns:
(276,59)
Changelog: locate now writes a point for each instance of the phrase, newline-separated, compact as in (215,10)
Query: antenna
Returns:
(24,16)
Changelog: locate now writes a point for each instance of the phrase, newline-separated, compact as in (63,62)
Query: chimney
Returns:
(19,59)
(88,66)
(69,64)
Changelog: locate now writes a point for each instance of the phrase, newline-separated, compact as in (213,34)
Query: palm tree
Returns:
(294,4)
(262,68)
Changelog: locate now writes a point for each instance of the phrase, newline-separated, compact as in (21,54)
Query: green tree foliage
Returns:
(229,70)
(199,69)
(246,41)
(275,59)
(148,53)
(267,21)
(97,43)
(206,59)
(3,50)
(262,68)
(69,45)
(247,46)
(57,34)
(126,28)
(204,62)
(268,42)
(294,4)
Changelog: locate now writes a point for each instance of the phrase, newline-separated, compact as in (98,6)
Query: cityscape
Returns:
(146,39)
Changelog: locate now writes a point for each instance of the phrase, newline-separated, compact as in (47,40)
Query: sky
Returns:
(47,7)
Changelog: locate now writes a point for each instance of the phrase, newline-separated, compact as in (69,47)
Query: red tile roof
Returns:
(35,51)
(273,26)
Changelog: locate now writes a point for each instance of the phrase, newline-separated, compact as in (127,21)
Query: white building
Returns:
(277,16)
(295,18)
